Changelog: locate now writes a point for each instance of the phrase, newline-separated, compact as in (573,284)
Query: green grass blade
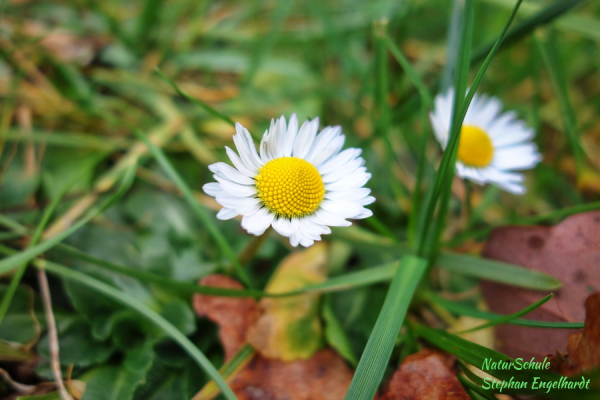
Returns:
(148,23)
(460,309)
(145,311)
(166,165)
(379,347)
(559,84)
(459,113)
(27,255)
(445,173)
(510,317)
(199,103)
(497,271)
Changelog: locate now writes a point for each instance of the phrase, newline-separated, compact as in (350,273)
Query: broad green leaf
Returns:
(20,324)
(77,345)
(335,335)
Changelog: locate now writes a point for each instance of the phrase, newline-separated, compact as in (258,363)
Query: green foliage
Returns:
(133,233)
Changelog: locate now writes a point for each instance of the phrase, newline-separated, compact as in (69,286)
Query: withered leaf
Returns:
(426,375)
(233,315)
(325,376)
(570,252)
(583,347)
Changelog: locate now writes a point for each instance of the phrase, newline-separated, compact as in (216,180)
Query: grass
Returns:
(106,134)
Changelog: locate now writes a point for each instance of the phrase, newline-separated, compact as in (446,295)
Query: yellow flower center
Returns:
(475,148)
(290,187)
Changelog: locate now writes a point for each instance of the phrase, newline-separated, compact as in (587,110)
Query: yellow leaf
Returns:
(289,328)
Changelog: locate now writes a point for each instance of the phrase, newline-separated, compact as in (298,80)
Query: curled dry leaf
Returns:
(583,347)
(233,315)
(570,252)
(426,375)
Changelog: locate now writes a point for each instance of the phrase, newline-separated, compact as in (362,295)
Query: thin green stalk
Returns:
(510,317)
(378,350)
(166,165)
(460,309)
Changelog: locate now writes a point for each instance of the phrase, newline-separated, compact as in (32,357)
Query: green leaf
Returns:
(77,345)
(335,334)
(377,353)
(20,324)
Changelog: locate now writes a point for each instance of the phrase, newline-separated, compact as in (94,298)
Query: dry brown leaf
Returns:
(570,252)
(583,347)
(233,315)
(426,375)
(325,376)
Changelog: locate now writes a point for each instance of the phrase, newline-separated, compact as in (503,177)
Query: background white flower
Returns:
(300,183)
(492,144)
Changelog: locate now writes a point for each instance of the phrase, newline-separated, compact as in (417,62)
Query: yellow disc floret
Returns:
(475,148)
(290,187)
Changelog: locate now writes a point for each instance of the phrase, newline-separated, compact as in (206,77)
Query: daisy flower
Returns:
(492,144)
(299,182)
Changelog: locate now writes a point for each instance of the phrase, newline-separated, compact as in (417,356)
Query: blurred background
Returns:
(78,77)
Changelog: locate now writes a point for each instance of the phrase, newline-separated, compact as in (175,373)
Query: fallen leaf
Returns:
(325,376)
(583,347)
(289,328)
(426,375)
(570,252)
(233,315)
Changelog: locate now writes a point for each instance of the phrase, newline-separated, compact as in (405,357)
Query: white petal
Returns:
(226,213)
(343,170)
(346,210)
(366,201)
(348,195)
(236,189)
(283,226)
(292,131)
(365,213)
(331,219)
(257,223)
(265,151)
(230,173)
(245,146)
(230,201)
(305,138)
(340,159)
(355,180)
(239,164)
(212,189)
(517,157)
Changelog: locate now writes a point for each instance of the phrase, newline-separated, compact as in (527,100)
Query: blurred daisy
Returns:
(492,144)
(300,183)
